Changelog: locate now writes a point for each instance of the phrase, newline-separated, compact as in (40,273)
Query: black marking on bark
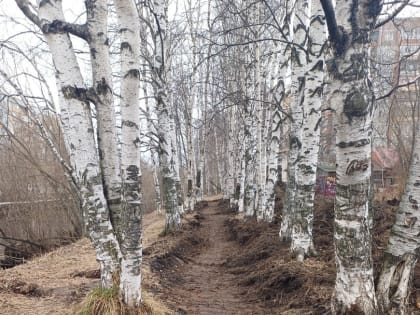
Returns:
(132,173)
(412,200)
(417,183)
(137,142)
(106,42)
(294,141)
(123,29)
(357,165)
(302,83)
(126,45)
(198,179)
(355,105)
(306,169)
(102,87)
(318,123)
(44,2)
(319,18)
(295,57)
(357,143)
(129,123)
(319,66)
(237,191)
(82,94)
(93,52)
(133,73)
(84,177)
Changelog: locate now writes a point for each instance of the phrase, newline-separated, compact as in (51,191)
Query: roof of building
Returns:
(384,158)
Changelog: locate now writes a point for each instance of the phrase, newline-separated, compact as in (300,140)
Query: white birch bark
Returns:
(401,254)
(230,183)
(97,22)
(260,145)
(190,195)
(167,147)
(351,96)
(152,132)
(273,146)
(299,24)
(79,135)
(131,213)
(202,144)
(176,167)
(250,125)
(302,242)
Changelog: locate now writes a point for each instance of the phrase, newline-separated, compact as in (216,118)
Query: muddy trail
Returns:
(220,263)
(205,285)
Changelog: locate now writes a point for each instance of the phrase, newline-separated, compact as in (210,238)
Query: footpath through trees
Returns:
(217,263)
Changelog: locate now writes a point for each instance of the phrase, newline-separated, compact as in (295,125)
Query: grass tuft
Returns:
(102,302)
(106,302)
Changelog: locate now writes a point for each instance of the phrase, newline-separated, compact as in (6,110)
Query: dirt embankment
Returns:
(223,264)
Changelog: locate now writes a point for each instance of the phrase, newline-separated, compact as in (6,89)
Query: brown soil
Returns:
(217,263)
(222,264)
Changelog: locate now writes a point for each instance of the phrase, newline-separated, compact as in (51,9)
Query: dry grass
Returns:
(59,291)
(106,302)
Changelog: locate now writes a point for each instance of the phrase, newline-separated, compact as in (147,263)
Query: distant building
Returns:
(396,62)
(385,167)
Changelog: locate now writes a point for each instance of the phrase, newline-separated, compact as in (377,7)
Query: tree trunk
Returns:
(167,158)
(273,146)
(80,141)
(298,60)
(351,97)
(401,254)
(302,242)
(97,18)
(131,212)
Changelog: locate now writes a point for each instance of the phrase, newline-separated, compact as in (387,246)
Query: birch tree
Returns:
(166,126)
(401,254)
(312,85)
(351,96)
(109,186)
(298,25)
(130,238)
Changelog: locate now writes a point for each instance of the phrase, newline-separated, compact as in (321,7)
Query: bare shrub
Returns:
(38,209)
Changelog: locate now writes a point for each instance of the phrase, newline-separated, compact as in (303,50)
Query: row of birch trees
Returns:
(217,95)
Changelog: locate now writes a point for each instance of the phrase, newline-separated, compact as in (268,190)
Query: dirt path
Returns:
(205,286)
